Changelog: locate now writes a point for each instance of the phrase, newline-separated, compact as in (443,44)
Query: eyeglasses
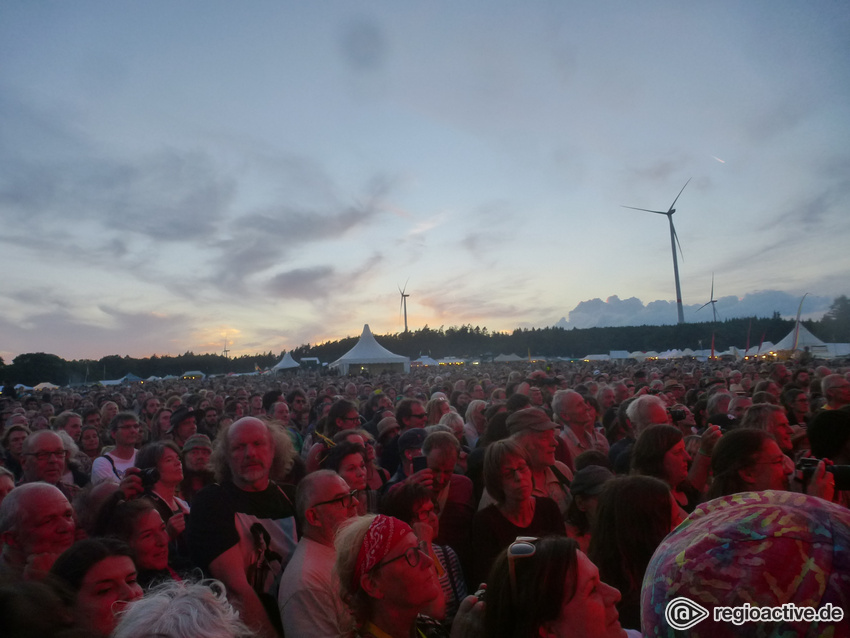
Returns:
(522,547)
(43,456)
(413,556)
(346,500)
(351,418)
(419,415)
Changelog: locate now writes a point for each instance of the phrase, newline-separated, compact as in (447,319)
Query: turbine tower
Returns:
(711,300)
(403,304)
(674,239)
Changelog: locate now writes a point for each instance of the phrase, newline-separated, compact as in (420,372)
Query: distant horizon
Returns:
(613,307)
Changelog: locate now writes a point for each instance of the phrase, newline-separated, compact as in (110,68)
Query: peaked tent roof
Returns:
(367,350)
(286,363)
(805,338)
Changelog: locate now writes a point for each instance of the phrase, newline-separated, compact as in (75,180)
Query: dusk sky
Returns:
(174,173)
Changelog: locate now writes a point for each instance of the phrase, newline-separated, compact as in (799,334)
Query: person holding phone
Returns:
(414,465)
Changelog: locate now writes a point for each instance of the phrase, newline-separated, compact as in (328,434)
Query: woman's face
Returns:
(353,470)
(164,420)
(592,611)
(106,590)
(516,479)
(424,512)
(170,468)
(89,440)
(350,421)
(676,464)
(150,542)
(404,585)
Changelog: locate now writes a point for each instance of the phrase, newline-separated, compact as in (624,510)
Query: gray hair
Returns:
(306,492)
(60,421)
(181,609)
(284,451)
(14,505)
(638,411)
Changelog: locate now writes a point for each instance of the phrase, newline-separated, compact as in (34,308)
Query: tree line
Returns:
(464,341)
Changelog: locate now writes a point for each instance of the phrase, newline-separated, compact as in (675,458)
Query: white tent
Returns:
(45,385)
(803,339)
(425,361)
(287,363)
(370,356)
(507,358)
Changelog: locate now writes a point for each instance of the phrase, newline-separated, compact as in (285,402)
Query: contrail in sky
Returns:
(718,159)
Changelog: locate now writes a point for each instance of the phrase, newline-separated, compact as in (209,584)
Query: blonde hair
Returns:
(348,541)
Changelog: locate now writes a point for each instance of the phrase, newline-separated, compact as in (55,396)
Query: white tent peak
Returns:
(804,339)
(286,363)
(368,351)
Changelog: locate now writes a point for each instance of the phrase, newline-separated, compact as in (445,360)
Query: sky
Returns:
(174,175)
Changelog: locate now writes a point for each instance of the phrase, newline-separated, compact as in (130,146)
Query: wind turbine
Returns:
(403,303)
(225,346)
(674,239)
(711,300)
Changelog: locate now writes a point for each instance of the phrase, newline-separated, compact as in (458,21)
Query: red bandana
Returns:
(381,537)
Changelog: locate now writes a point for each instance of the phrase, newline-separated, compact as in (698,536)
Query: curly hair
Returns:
(181,609)
(284,451)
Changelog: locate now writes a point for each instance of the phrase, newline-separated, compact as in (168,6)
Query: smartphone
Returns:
(420,463)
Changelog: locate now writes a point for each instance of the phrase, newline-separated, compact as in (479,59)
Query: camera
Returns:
(150,476)
(840,472)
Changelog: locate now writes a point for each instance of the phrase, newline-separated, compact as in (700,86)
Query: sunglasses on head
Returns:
(522,547)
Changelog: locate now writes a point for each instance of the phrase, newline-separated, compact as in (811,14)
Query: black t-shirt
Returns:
(261,523)
(492,532)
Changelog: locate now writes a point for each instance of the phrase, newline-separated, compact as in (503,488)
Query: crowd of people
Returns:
(449,502)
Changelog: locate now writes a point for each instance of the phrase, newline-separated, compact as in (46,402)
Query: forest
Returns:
(464,341)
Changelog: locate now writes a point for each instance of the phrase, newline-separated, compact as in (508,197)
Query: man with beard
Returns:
(242,528)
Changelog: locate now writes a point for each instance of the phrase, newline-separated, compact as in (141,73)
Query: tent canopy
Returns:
(804,339)
(287,363)
(371,355)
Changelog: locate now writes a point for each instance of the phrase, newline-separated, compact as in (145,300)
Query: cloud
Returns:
(319,283)
(63,333)
(614,312)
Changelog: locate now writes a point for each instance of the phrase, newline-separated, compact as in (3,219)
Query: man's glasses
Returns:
(346,500)
(43,456)
(413,556)
(522,547)
(420,415)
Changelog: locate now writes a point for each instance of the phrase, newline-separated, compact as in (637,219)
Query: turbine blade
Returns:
(660,212)
(677,196)
(403,290)
(712,287)
(714,311)
(703,306)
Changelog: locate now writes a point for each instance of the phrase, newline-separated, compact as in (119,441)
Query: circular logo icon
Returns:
(682,613)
